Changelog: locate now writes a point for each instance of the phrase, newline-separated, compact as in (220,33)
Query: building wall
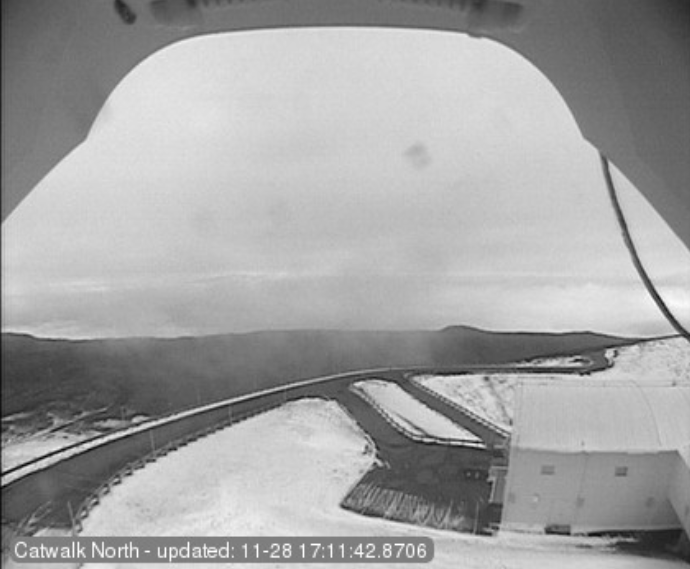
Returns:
(582,490)
(679,490)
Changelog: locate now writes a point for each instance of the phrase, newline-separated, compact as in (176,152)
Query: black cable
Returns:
(649,285)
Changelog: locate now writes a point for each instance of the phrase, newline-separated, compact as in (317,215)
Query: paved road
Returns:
(491,436)
(67,481)
(439,474)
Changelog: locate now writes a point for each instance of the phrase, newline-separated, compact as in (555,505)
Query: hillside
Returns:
(492,395)
(154,376)
(286,475)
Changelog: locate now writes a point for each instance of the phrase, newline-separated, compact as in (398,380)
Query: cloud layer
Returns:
(332,178)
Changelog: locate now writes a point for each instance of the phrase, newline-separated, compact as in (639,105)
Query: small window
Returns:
(548,469)
(621,471)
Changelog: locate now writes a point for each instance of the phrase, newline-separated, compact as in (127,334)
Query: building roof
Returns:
(584,415)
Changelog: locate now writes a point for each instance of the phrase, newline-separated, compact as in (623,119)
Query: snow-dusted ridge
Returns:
(491,395)
(666,360)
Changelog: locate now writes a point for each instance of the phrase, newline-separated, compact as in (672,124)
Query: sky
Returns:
(333,178)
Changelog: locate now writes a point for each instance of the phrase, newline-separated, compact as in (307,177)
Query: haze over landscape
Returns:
(290,467)
(333,179)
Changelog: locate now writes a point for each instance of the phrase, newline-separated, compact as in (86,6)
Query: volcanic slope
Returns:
(151,376)
(284,473)
(491,395)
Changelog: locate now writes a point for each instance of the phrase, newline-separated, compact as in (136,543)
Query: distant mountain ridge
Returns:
(154,376)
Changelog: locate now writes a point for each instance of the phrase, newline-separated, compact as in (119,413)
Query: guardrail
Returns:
(96,495)
(410,434)
(66,490)
(497,429)
(60,454)
(61,487)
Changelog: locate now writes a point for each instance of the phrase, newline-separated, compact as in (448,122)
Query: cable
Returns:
(649,285)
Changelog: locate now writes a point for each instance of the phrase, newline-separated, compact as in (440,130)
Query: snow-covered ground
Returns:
(245,480)
(409,414)
(21,450)
(140,423)
(30,435)
(26,449)
(566,361)
(489,396)
(660,360)
(655,360)
(492,395)
(284,473)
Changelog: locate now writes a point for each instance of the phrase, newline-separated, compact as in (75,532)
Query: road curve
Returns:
(58,489)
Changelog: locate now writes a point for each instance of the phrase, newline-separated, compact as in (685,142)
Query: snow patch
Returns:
(26,449)
(410,414)
(575,362)
(489,396)
(492,395)
(283,473)
(659,361)
(269,475)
